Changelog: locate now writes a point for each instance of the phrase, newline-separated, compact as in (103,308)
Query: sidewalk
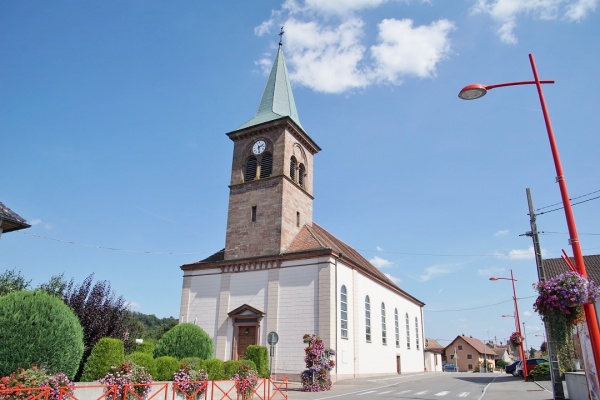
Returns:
(507,387)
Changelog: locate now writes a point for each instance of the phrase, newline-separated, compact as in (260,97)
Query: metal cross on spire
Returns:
(281,37)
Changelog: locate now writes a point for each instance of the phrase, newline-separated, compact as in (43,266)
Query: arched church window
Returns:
(397,326)
(301,173)
(383,327)
(250,173)
(344,312)
(293,164)
(417,332)
(407,332)
(266,165)
(368,319)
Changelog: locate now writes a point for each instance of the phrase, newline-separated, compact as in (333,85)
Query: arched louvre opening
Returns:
(301,173)
(250,173)
(293,168)
(344,312)
(266,166)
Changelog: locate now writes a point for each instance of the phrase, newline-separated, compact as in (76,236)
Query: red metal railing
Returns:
(258,389)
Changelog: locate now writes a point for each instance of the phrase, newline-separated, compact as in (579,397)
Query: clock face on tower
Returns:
(259,147)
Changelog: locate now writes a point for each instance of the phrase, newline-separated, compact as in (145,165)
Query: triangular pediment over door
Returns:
(246,329)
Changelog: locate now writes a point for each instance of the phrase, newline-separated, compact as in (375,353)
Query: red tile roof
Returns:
(315,239)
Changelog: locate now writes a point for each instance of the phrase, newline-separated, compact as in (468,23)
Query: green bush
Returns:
(260,356)
(145,347)
(166,366)
(231,367)
(215,369)
(39,329)
(143,360)
(108,352)
(541,372)
(184,340)
(194,363)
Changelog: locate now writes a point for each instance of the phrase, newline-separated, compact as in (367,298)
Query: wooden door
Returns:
(246,337)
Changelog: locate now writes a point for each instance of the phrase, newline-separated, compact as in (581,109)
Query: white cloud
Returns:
(328,45)
(491,271)
(409,50)
(520,254)
(506,12)
(133,305)
(580,9)
(502,233)
(527,314)
(378,248)
(393,279)
(380,262)
(342,6)
(433,272)
(35,221)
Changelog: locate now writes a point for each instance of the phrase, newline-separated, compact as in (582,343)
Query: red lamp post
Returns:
(476,91)
(517,320)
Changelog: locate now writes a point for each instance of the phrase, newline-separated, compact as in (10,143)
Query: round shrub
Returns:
(215,369)
(107,353)
(260,356)
(37,328)
(194,363)
(184,340)
(166,366)
(541,372)
(143,360)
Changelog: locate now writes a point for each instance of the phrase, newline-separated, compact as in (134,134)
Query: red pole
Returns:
(518,323)
(590,314)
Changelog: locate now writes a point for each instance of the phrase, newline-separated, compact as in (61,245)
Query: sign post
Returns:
(272,339)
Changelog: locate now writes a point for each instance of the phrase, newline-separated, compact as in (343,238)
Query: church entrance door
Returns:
(246,337)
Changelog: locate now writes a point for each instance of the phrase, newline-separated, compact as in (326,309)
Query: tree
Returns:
(532,352)
(56,286)
(11,281)
(100,312)
(543,347)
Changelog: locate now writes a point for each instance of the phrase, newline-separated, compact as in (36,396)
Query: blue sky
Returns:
(113,118)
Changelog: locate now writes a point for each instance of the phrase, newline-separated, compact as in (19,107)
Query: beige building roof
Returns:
(556,266)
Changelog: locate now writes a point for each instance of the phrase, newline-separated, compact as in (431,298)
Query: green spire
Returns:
(278,99)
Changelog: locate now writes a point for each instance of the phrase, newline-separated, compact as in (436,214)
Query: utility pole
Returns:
(557,386)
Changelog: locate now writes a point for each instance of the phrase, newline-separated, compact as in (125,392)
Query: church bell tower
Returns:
(271,189)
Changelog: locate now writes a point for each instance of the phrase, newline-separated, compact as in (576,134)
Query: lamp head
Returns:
(494,278)
(472,92)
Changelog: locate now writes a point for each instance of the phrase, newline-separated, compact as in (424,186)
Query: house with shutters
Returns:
(282,272)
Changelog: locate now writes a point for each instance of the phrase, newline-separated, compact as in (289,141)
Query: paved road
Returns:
(432,386)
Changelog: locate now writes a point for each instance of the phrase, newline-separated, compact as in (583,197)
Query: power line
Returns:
(571,199)
(477,308)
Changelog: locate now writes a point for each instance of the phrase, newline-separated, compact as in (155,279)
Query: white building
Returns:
(281,272)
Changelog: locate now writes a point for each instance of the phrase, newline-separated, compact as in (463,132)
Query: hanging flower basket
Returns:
(560,303)
(515,339)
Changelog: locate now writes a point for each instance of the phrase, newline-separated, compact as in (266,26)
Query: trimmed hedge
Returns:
(166,366)
(39,329)
(215,369)
(184,340)
(143,360)
(260,356)
(231,367)
(195,363)
(106,353)
(145,347)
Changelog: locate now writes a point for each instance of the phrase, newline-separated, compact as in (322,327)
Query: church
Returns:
(282,272)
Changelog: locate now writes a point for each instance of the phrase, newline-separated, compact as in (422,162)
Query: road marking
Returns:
(370,391)
(389,391)
(422,392)
(404,391)
(463,394)
(445,392)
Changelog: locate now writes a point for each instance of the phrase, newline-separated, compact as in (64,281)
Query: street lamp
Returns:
(517,321)
(476,91)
